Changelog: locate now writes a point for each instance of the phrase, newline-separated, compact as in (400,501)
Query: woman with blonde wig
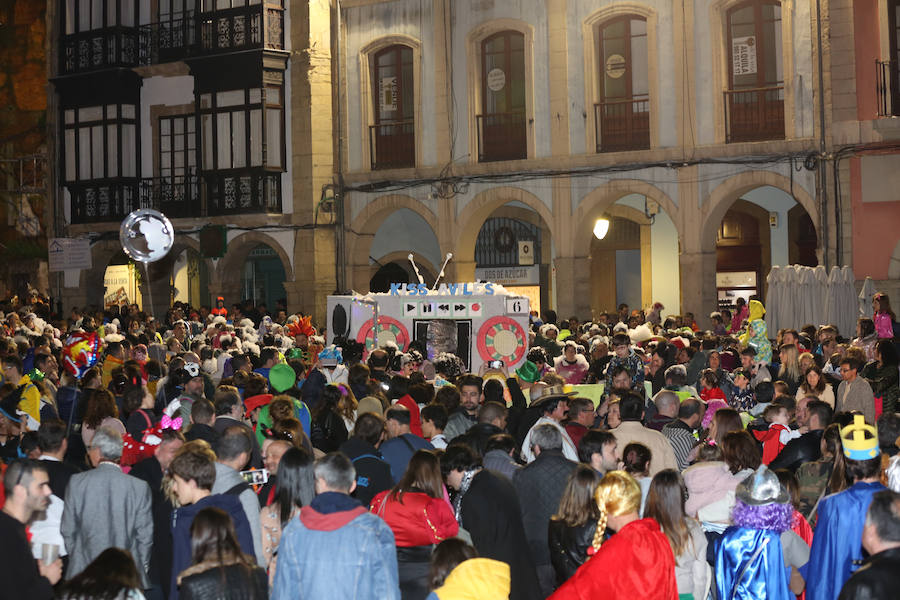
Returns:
(635,562)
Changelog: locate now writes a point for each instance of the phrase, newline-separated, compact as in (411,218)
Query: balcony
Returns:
(110,200)
(501,136)
(100,49)
(393,145)
(754,115)
(168,41)
(887,88)
(623,125)
(242,28)
(241,191)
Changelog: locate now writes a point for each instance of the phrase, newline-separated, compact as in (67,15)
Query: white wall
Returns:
(665,278)
(774,200)
(405,231)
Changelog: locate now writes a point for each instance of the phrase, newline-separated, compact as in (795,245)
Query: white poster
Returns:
(743,55)
(496,80)
(388,94)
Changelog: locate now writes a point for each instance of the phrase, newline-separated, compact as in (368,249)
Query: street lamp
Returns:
(601,227)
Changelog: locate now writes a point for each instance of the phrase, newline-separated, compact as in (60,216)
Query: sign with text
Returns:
(530,275)
(64,254)
(743,55)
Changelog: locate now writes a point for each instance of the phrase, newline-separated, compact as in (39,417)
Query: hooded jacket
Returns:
(181,531)
(757,334)
(475,579)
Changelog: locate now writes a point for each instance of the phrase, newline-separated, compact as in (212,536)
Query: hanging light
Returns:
(601,227)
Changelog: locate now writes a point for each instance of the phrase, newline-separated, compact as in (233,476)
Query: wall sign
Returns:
(388,94)
(445,289)
(615,66)
(496,80)
(743,55)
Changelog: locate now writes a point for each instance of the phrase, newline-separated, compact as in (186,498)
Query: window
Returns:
(502,133)
(622,117)
(100,142)
(392,139)
(88,15)
(754,101)
(242,128)
(888,81)
(177,146)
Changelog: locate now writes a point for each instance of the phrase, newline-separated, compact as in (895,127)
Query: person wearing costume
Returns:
(636,562)
(756,556)
(757,335)
(837,545)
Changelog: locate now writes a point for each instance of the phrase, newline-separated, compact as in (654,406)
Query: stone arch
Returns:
(239,248)
(477,211)
(369,220)
(429,271)
(730,190)
(600,201)
(894,264)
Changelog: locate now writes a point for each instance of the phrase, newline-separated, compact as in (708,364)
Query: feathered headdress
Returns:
(302,325)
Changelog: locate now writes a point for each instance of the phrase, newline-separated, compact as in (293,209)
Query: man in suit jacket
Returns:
(106,508)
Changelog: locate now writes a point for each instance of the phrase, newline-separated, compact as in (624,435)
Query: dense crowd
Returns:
(228,452)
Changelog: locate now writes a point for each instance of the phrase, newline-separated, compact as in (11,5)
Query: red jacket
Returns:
(417,519)
(636,562)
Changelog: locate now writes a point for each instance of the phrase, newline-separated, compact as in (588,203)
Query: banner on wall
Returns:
(120,285)
(743,55)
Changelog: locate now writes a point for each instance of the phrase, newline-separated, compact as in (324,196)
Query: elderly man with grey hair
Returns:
(666,403)
(540,485)
(106,508)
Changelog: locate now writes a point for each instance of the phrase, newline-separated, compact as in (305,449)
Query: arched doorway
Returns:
(513,249)
(763,227)
(386,275)
(190,279)
(262,277)
(121,282)
(637,262)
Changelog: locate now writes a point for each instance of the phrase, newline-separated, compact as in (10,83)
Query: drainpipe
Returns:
(823,176)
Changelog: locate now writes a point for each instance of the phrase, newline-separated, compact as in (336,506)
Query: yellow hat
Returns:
(857,445)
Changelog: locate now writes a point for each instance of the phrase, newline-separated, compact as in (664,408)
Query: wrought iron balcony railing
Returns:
(502,136)
(104,200)
(393,145)
(754,115)
(99,49)
(241,191)
(168,41)
(887,88)
(622,125)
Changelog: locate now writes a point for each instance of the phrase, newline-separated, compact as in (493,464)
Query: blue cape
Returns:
(750,565)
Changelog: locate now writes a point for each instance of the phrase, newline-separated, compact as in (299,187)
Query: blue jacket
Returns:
(336,549)
(397,452)
(181,531)
(838,540)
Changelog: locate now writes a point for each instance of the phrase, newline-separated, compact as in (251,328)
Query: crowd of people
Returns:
(230,453)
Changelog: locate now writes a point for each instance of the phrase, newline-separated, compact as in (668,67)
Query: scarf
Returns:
(467,478)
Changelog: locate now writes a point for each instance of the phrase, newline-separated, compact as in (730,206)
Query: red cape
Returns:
(635,563)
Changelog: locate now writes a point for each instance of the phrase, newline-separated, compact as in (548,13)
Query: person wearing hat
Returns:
(191,379)
(552,402)
(754,554)
(837,545)
(571,366)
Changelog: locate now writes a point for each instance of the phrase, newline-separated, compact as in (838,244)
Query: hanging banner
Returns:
(743,55)
(388,94)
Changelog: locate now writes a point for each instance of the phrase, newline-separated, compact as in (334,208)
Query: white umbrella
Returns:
(832,311)
(820,291)
(807,292)
(773,284)
(849,302)
(865,298)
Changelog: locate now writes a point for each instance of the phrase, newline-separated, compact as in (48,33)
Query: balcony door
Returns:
(502,123)
(623,114)
(754,102)
(393,139)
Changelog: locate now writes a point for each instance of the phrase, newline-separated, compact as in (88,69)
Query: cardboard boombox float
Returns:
(478,322)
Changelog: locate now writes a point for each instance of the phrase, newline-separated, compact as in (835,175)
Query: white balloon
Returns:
(147,235)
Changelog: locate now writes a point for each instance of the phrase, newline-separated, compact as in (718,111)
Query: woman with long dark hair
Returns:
(815,385)
(334,417)
(417,513)
(883,375)
(294,489)
(665,503)
(111,576)
(219,570)
(572,527)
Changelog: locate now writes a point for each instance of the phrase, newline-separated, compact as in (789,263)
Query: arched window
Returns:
(754,101)
(392,138)
(622,116)
(502,133)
